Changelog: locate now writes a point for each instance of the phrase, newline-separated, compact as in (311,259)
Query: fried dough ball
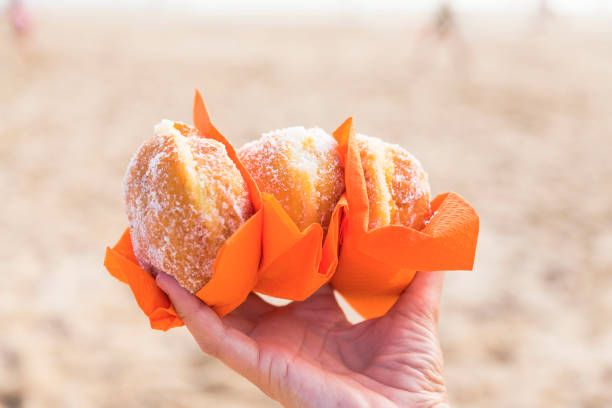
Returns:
(301,168)
(184,198)
(398,187)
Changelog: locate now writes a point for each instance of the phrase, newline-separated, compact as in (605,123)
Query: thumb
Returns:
(232,347)
(423,295)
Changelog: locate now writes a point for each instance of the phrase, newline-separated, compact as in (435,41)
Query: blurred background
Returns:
(507,103)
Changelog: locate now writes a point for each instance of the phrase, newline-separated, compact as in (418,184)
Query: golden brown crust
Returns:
(301,168)
(184,197)
(397,185)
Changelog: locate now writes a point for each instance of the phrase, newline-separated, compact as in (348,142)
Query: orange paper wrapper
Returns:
(235,269)
(296,263)
(376,266)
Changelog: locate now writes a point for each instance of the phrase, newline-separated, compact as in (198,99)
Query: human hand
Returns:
(306,354)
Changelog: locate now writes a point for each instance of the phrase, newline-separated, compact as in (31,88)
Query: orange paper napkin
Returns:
(376,266)
(296,263)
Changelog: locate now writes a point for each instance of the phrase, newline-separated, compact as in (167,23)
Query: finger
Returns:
(322,304)
(424,292)
(234,348)
(239,323)
(323,296)
(325,290)
(427,285)
(192,301)
(253,308)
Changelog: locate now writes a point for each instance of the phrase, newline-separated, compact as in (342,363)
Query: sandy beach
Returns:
(516,117)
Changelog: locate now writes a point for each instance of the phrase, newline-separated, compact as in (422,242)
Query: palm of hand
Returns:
(308,354)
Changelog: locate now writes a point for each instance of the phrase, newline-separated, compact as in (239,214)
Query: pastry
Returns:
(184,198)
(397,186)
(301,168)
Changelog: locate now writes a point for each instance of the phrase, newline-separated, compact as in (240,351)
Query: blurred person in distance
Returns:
(19,17)
(307,354)
(443,33)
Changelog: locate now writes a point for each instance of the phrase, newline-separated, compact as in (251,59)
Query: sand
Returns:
(519,121)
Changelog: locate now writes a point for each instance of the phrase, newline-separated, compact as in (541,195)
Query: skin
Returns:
(306,354)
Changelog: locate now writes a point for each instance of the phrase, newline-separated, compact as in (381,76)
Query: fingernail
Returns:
(161,281)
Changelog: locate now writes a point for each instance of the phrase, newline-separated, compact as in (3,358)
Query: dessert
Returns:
(301,168)
(397,186)
(184,198)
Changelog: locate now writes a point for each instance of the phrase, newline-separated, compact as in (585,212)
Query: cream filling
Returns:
(379,178)
(166,128)
(191,178)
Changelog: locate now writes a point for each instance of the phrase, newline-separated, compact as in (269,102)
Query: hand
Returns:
(306,354)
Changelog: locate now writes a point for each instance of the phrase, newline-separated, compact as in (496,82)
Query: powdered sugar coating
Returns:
(398,187)
(184,198)
(301,168)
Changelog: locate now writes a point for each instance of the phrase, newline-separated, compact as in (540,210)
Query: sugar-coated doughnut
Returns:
(397,186)
(301,168)
(184,198)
